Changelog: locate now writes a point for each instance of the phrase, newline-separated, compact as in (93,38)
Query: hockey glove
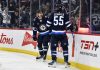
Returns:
(34,38)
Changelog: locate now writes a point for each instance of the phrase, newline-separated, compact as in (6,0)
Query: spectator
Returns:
(4,4)
(0,15)
(24,19)
(11,5)
(0,8)
(15,18)
(6,18)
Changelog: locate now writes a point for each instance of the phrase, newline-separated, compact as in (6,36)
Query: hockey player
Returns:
(58,23)
(43,34)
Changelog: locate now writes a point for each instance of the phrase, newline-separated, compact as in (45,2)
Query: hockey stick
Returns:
(73,45)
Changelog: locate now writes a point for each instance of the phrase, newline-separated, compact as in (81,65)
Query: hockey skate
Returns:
(44,58)
(52,64)
(39,57)
(67,64)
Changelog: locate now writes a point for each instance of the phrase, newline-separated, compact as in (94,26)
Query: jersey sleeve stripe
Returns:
(68,25)
(67,22)
(47,25)
(48,22)
(34,28)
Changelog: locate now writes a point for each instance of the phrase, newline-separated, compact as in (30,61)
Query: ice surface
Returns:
(18,61)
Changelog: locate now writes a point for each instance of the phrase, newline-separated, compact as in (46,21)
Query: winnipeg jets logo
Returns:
(42,27)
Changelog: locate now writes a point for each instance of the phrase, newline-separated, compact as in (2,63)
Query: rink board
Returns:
(86,54)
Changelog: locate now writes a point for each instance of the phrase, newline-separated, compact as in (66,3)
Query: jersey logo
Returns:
(42,27)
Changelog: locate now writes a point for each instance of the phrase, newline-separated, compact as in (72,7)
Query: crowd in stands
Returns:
(20,13)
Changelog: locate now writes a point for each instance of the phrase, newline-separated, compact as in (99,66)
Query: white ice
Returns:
(18,61)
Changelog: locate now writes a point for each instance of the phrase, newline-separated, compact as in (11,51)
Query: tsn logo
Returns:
(89,45)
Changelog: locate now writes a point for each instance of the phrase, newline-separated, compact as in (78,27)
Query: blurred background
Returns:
(20,13)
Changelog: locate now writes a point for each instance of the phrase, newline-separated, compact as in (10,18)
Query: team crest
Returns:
(43,27)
